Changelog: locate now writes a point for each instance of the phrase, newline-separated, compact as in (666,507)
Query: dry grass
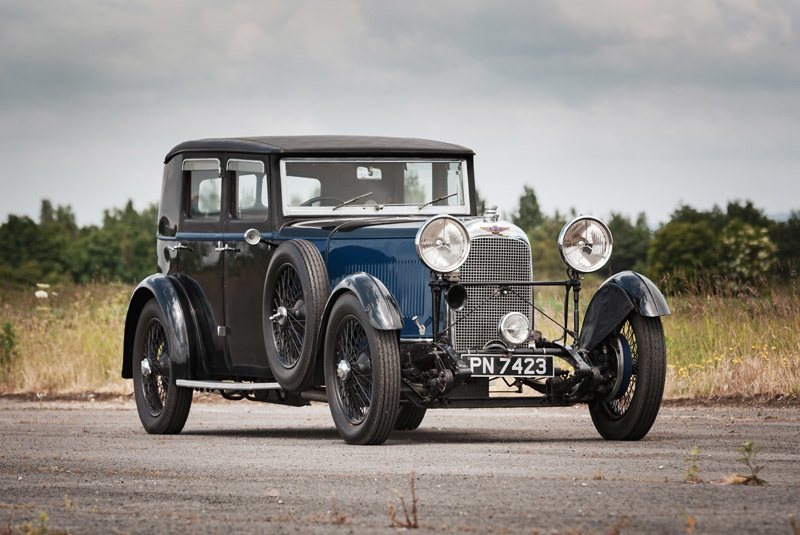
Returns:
(717,344)
(724,345)
(69,342)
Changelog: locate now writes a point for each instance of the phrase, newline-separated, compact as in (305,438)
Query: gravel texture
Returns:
(243,467)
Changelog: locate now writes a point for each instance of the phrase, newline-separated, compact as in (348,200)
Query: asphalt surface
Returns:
(243,467)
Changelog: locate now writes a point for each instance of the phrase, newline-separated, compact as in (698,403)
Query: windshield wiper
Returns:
(349,201)
(443,197)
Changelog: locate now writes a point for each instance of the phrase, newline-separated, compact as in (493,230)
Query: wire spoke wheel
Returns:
(631,415)
(362,374)
(296,289)
(289,329)
(620,406)
(353,386)
(156,357)
(163,407)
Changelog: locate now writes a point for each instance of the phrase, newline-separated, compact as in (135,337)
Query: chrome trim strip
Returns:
(415,340)
(259,163)
(201,167)
(224,385)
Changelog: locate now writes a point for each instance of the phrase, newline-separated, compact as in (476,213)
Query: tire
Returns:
(364,402)
(297,287)
(409,417)
(631,416)
(162,406)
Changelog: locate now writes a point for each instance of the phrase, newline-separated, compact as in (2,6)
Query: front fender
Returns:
(618,296)
(162,288)
(378,302)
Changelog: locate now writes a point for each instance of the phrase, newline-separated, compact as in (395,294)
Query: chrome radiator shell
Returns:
(499,251)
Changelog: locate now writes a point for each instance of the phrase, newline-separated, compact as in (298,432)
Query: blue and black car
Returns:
(357,271)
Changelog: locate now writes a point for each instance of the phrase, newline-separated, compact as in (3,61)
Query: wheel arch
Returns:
(616,298)
(163,289)
(377,301)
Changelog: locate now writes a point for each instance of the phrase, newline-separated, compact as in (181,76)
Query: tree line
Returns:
(56,250)
(737,243)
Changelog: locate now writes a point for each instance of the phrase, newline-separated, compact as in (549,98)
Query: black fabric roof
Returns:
(305,145)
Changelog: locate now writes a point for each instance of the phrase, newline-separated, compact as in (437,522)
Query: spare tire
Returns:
(295,291)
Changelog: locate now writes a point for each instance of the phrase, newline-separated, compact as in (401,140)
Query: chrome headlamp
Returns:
(442,243)
(585,244)
(514,329)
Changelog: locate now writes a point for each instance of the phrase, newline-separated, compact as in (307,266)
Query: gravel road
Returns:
(254,468)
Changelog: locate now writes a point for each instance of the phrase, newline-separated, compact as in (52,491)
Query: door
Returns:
(200,260)
(246,265)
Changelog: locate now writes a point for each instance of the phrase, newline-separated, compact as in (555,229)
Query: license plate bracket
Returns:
(503,365)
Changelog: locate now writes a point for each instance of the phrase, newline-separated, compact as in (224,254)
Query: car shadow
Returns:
(419,436)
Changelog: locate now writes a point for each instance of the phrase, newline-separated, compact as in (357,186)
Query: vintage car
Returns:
(357,271)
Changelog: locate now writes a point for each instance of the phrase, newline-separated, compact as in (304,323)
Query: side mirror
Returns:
(252,236)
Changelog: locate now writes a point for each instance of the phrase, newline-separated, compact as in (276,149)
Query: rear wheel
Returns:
(163,407)
(631,415)
(409,417)
(362,374)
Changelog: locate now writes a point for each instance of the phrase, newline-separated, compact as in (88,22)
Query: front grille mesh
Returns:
(492,259)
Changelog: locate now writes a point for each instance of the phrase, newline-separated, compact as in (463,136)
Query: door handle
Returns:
(225,248)
(179,247)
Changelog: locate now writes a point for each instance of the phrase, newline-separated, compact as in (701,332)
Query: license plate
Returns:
(506,366)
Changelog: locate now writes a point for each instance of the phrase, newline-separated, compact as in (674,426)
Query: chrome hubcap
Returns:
(280,315)
(146,367)
(343,369)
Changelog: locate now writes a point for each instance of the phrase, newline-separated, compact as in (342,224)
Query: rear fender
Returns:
(620,295)
(162,288)
(377,301)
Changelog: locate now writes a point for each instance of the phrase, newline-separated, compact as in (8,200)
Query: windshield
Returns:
(317,186)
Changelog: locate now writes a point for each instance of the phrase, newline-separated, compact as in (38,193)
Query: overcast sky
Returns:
(601,106)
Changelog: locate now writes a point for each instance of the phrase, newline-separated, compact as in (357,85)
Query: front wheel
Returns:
(409,417)
(631,415)
(162,406)
(362,374)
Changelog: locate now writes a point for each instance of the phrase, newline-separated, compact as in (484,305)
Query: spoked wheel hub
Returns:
(353,372)
(155,367)
(288,321)
(343,370)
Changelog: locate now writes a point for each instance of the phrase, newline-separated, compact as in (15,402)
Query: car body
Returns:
(358,271)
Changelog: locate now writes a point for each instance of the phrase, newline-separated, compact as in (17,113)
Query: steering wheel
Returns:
(322,200)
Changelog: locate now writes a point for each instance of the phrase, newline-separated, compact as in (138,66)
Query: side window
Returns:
(250,186)
(205,188)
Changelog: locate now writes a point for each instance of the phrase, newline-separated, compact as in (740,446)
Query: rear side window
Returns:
(250,186)
(205,188)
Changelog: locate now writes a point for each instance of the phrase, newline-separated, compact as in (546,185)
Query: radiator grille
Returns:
(492,259)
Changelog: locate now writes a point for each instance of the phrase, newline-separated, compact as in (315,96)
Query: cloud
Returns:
(580,93)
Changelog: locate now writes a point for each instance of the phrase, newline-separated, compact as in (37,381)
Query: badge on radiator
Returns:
(495,229)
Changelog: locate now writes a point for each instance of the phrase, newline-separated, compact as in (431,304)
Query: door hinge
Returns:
(222,330)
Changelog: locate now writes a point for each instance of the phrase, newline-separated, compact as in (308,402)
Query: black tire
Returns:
(409,417)
(296,282)
(364,403)
(632,415)
(162,406)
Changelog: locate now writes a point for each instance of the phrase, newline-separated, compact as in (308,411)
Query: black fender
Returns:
(379,305)
(616,298)
(163,288)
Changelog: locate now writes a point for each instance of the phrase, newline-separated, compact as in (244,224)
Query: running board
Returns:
(226,385)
